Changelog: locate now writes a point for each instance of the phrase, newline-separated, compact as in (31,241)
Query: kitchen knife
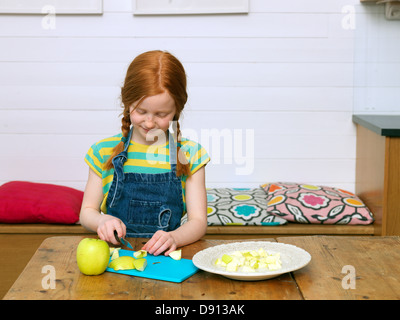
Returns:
(122,240)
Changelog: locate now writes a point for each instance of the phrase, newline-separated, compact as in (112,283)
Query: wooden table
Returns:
(369,263)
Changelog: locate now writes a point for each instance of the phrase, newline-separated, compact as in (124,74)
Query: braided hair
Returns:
(149,74)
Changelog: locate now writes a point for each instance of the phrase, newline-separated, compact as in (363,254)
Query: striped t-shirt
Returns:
(142,159)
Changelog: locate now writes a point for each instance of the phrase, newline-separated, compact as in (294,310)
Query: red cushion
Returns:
(29,202)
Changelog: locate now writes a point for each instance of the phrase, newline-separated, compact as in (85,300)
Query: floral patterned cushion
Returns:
(238,206)
(304,203)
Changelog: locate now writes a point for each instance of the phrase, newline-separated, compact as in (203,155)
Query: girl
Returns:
(145,178)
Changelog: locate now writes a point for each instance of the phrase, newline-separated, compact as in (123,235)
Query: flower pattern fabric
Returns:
(304,203)
(238,206)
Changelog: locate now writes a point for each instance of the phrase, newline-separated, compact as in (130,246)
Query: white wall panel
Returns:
(300,99)
(199,74)
(272,123)
(285,71)
(44,97)
(95,122)
(72,122)
(127,25)
(187,49)
(273,147)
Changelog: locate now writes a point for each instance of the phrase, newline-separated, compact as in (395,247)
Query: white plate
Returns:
(292,257)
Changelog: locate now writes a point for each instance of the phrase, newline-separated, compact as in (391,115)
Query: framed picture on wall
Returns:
(57,6)
(160,7)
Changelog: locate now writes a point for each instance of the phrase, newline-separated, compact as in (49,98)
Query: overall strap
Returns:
(128,140)
(172,149)
(118,179)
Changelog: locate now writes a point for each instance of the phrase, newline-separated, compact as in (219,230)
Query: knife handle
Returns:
(116,236)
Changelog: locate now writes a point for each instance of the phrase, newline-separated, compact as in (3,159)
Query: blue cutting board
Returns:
(160,268)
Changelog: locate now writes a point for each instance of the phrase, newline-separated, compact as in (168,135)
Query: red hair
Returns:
(149,74)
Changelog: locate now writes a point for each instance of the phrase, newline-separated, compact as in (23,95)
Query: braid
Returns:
(126,123)
(182,165)
(125,128)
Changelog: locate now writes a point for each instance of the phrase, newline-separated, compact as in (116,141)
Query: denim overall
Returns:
(145,202)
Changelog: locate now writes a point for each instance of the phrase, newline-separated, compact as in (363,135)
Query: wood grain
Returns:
(60,252)
(377,178)
(24,239)
(370,172)
(375,261)
(391,209)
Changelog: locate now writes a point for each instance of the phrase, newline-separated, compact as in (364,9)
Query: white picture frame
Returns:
(177,7)
(55,6)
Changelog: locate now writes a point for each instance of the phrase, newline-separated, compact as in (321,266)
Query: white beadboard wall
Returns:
(285,71)
(376,62)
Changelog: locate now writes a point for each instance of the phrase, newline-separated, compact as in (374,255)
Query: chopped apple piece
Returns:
(140,264)
(140,254)
(113,249)
(249,261)
(274,266)
(115,253)
(262,252)
(176,255)
(227,259)
(254,253)
(220,263)
(248,269)
(232,266)
(122,263)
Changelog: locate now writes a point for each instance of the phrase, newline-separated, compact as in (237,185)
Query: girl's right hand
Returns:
(107,225)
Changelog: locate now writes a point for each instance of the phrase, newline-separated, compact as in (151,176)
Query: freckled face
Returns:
(151,117)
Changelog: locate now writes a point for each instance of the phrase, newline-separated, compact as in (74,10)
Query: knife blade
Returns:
(122,240)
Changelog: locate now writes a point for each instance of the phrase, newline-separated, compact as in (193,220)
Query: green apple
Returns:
(92,256)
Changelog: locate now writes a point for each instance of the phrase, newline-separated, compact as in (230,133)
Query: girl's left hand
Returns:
(160,241)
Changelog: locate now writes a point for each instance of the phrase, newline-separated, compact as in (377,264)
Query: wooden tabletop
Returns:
(369,264)
(341,268)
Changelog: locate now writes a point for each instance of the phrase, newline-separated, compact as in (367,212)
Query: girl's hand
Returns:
(106,228)
(160,241)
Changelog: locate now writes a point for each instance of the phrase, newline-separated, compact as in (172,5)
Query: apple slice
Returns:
(122,263)
(114,253)
(140,264)
(140,254)
(176,255)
